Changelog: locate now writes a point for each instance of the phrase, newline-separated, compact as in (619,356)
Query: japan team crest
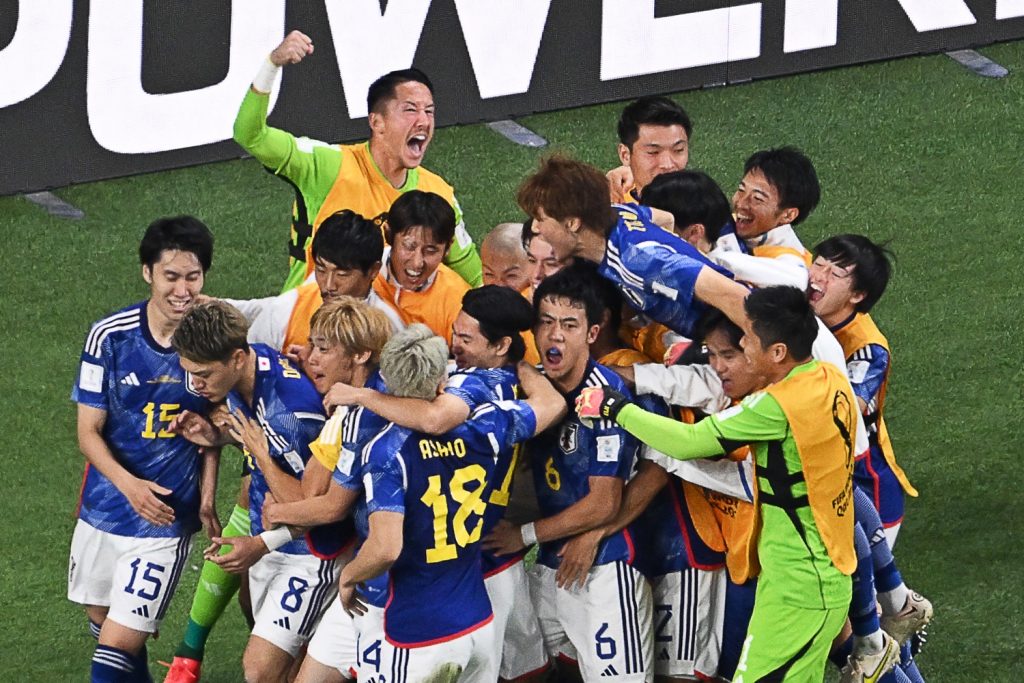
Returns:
(569,438)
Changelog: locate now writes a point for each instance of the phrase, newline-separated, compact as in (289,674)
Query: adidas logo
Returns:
(130,379)
(142,611)
(284,623)
(610,671)
(664,655)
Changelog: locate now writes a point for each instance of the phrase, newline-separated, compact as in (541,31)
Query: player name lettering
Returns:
(430,448)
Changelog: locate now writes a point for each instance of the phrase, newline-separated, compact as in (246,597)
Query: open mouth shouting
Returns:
(417,145)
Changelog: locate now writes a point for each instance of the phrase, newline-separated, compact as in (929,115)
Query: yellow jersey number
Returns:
(167,413)
(469,504)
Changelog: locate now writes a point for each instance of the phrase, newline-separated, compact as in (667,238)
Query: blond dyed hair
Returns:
(414,362)
(353,325)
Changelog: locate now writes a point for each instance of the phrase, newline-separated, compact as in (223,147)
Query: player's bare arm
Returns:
(250,434)
(547,403)
(331,506)
(141,494)
(592,511)
(382,547)
(208,491)
(444,413)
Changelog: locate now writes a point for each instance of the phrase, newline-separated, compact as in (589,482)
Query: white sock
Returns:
(894,601)
(869,644)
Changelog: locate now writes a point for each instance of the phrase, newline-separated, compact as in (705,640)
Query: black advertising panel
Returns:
(106,89)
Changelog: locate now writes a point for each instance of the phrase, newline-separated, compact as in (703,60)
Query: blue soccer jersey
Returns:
(440,484)
(565,456)
(655,270)
(286,404)
(142,388)
(477,386)
(666,537)
(357,432)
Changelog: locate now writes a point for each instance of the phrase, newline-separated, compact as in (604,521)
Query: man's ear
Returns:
(573,225)
(147,274)
(778,352)
(693,233)
(238,357)
(373,270)
(624,154)
(362,358)
(376,123)
(788,215)
(592,333)
(502,346)
(857,297)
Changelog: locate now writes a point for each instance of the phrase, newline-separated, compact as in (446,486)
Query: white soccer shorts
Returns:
(473,656)
(515,621)
(334,642)
(134,577)
(289,595)
(606,624)
(689,613)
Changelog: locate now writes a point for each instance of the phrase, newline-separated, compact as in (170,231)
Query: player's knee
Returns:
(261,666)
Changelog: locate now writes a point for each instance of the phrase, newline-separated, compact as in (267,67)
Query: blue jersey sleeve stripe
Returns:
(93,347)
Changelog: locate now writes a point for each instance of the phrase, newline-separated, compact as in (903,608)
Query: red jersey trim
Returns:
(510,563)
(435,641)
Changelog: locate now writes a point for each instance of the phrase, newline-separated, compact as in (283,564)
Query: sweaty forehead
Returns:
(562,308)
(418,236)
(412,91)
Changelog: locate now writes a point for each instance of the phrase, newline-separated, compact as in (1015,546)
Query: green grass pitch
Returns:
(919,151)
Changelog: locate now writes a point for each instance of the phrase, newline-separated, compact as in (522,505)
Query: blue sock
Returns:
(894,676)
(908,666)
(94,629)
(887,576)
(863,613)
(842,653)
(110,665)
(141,662)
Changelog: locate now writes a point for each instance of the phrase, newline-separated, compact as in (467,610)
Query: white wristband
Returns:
(275,538)
(529,533)
(264,81)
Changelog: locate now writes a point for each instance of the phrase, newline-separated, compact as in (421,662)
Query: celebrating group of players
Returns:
(701,460)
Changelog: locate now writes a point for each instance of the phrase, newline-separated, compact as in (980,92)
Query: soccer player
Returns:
(347,254)
(145,488)
(413,281)
(697,204)
(426,498)
(658,273)
(366,177)
(654,138)
(504,257)
(487,345)
(579,472)
(540,258)
(275,413)
(848,277)
(801,427)
(347,338)
(779,190)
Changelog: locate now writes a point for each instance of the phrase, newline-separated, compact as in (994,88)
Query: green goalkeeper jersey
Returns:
(795,563)
(329,178)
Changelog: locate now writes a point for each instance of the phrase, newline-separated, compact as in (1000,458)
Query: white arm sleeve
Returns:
(693,386)
(760,271)
(268,317)
(724,476)
(827,349)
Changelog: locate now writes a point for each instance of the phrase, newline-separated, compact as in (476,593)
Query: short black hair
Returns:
(782,315)
(177,233)
(652,110)
(427,210)
(792,175)
(501,312)
(348,241)
(382,90)
(691,197)
(527,233)
(579,283)
(871,265)
(713,321)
